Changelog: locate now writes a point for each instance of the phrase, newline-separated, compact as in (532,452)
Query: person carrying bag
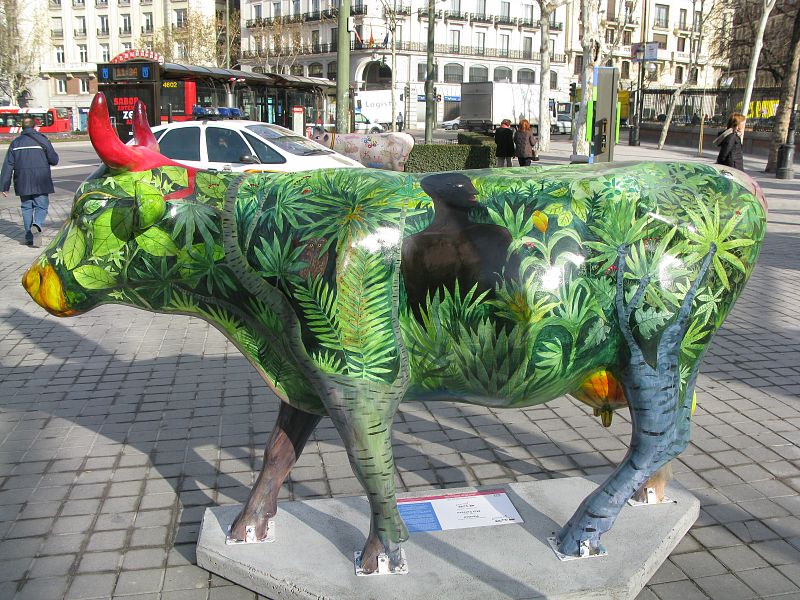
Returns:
(525,143)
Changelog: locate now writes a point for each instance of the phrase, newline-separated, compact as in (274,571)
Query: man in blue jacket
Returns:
(28,161)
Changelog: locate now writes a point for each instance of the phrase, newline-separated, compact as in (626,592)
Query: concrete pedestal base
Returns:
(312,557)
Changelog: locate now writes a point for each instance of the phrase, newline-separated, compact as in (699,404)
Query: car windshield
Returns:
(287,140)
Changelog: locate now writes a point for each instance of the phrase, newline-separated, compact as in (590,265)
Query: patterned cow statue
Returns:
(376,150)
(353,290)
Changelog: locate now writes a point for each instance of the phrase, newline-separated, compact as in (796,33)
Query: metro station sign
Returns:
(136,53)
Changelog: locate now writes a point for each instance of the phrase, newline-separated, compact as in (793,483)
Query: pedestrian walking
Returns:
(400,121)
(730,143)
(28,163)
(504,140)
(525,143)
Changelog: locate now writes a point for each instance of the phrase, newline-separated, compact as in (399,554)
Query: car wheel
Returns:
(374,130)
(455,126)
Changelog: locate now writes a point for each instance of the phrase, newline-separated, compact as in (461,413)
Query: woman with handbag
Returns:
(525,143)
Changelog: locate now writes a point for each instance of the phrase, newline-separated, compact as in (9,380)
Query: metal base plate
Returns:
(250,535)
(652,498)
(585,552)
(383,565)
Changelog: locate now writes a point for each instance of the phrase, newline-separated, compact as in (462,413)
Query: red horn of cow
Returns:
(142,134)
(113,152)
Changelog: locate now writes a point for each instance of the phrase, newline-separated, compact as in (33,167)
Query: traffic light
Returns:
(438,97)
(573,90)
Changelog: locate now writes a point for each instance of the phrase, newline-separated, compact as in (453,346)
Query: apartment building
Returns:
(475,40)
(83,33)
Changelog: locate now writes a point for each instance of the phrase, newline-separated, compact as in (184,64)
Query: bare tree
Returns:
(278,43)
(546,9)
(709,16)
(781,127)
(590,42)
(228,34)
(19,49)
(758,42)
(194,41)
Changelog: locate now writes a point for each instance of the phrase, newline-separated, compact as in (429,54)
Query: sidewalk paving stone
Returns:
(118,429)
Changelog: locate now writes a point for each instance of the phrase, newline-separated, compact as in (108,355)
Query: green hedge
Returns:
(428,158)
(474,139)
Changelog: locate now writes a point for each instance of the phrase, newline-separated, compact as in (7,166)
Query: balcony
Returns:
(422,13)
(124,2)
(358,9)
(145,2)
(102,33)
(125,30)
(101,4)
(55,3)
(481,18)
(147,30)
(523,22)
(78,4)
(503,20)
(455,15)
(57,33)
(79,33)
(556,26)
(80,68)
(660,24)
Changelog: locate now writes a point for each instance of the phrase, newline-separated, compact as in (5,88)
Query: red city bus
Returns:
(48,120)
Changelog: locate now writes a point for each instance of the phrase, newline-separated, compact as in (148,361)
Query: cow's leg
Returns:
(659,418)
(363,413)
(285,445)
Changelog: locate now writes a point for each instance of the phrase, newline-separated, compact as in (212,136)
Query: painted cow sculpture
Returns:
(388,151)
(351,291)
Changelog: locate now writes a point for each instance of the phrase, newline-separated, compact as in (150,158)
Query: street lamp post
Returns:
(785,168)
(633,138)
(430,101)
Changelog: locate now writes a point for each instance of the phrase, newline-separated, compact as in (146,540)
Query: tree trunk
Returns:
(781,125)
(757,44)
(544,82)
(670,111)
(590,16)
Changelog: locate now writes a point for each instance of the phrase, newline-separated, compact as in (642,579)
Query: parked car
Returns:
(562,124)
(452,123)
(244,146)
(362,123)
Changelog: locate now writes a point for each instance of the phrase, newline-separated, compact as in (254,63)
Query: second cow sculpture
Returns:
(387,151)
(351,291)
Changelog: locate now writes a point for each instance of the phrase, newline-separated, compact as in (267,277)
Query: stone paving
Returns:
(120,427)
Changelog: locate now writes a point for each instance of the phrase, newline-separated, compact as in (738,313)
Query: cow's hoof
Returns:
(372,549)
(250,526)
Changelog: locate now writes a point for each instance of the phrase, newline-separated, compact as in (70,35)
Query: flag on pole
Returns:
(386,39)
(358,37)
(371,38)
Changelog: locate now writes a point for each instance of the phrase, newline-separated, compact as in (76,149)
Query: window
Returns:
(61,85)
(334,36)
(276,9)
(56,26)
(502,74)
(422,70)
(480,6)
(626,38)
(453,73)
(578,64)
(103,29)
(265,154)
(332,67)
(181,144)
(695,46)
(225,146)
(478,73)
(315,70)
(295,7)
(105,52)
(527,11)
(678,74)
(315,6)
(480,42)
(527,47)
(148,22)
(505,10)
(682,19)
(125,24)
(80,25)
(698,21)
(129,46)
(693,76)
(256,11)
(180,17)
(398,34)
(455,40)
(315,42)
(503,49)
(296,70)
(625,72)
(526,76)
(553,80)
(83,53)
(662,16)
(661,40)
(681,44)
(84,85)
(610,36)
(455,6)
(60,55)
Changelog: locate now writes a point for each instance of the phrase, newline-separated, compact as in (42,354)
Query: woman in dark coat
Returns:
(525,143)
(730,143)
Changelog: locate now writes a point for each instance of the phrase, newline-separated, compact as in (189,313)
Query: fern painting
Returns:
(351,291)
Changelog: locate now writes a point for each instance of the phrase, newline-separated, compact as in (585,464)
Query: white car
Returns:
(452,123)
(362,123)
(562,124)
(234,145)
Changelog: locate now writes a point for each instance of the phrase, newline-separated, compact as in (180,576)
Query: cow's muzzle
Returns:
(44,286)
